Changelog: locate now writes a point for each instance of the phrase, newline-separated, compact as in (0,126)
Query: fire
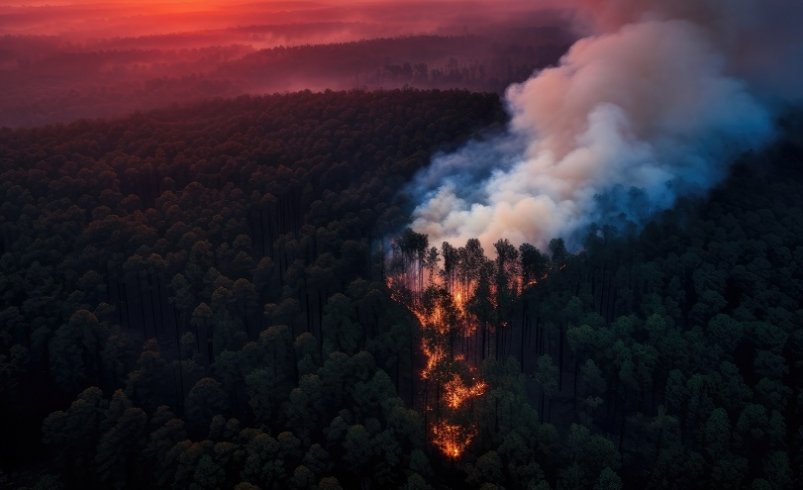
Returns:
(433,355)
(456,392)
(459,302)
(452,439)
(444,316)
(461,299)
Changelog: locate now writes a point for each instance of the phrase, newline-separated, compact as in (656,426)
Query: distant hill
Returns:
(46,80)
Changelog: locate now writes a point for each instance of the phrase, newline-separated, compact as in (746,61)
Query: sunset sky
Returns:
(66,59)
(85,18)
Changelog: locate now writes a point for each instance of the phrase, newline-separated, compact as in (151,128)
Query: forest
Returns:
(224,295)
(62,63)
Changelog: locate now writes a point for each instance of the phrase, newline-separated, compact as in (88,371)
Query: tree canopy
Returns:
(196,298)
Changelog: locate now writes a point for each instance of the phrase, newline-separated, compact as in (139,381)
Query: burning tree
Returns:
(461,299)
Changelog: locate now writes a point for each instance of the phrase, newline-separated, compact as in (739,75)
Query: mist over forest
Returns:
(62,63)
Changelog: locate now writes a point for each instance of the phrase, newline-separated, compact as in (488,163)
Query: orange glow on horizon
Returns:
(103,19)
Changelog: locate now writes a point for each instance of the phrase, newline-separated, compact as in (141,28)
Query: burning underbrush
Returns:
(461,300)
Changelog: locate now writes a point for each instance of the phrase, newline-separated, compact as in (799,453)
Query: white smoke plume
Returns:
(651,105)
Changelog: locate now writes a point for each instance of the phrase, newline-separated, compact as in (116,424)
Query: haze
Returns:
(60,61)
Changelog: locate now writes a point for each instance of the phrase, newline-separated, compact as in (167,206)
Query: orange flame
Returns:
(451,439)
(456,392)
(433,355)
(451,304)
(443,308)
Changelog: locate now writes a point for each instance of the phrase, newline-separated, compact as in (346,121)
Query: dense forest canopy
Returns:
(196,298)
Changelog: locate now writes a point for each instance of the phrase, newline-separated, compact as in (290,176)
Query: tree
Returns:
(166,432)
(205,400)
(533,264)
(262,466)
(306,347)
(329,483)
(118,358)
(414,247)
(488,469)
(358,449)
(208,474)
(148,385)
(303,478)
(507,285)
(557,252)
(546,374)
(608,480)
(263,394)
(119,449)
(717,434)
(74,433)
(341,332)
(75,351)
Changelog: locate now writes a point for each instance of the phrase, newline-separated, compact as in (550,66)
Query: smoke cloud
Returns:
(652,104)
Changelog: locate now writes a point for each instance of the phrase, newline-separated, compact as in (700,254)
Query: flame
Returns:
(434,355)
(444,305)
(452,439)
(456,392)
(460,302)
(456,307)
(449,314)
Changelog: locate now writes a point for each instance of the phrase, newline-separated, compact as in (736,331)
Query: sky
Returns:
(61,60)
(95,19)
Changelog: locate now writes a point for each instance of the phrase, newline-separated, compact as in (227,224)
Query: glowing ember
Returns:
(434,355)
(451,439)
(456,392)
(460,302)
(444,317)
(461,299)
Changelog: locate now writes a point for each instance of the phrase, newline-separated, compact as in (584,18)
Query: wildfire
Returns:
(433,355)
(460,299)
(442,314)
(460,302)
(456,392)
(452,439)
(434,319)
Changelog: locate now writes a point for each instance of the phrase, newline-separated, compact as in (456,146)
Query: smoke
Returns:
(651,105)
